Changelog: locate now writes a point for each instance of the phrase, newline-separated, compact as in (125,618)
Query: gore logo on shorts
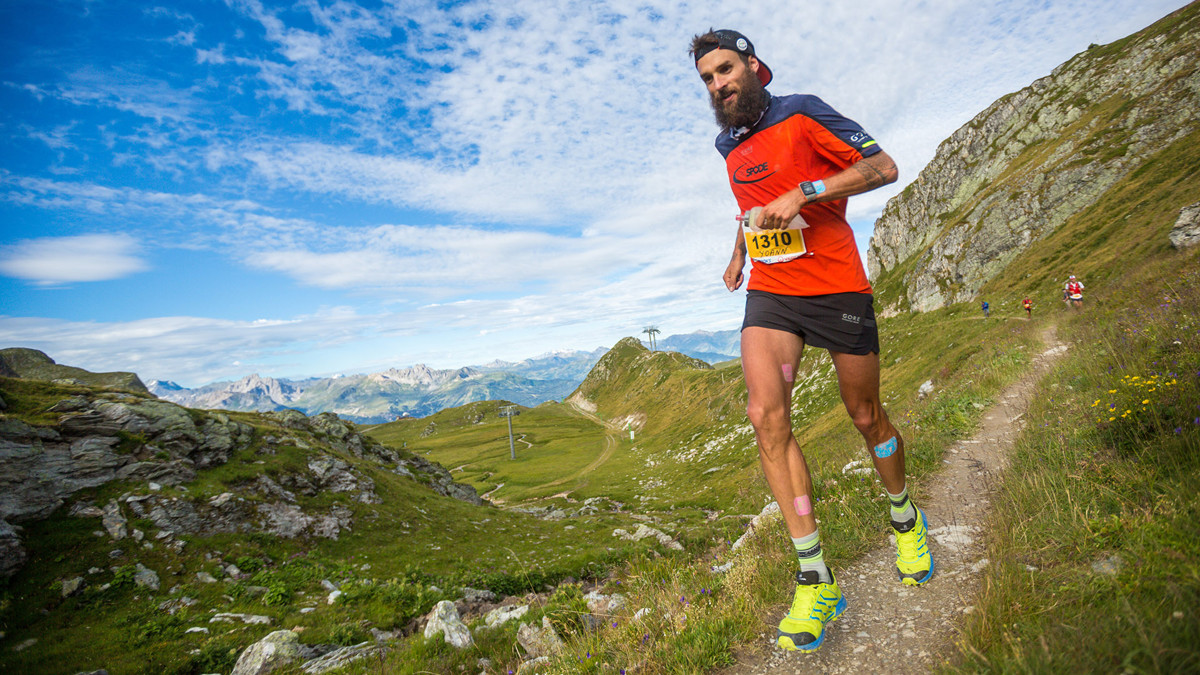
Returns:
(851,318)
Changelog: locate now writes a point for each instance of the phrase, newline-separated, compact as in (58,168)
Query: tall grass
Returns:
(1096,532)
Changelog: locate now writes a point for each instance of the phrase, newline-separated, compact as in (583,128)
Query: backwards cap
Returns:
(735,41)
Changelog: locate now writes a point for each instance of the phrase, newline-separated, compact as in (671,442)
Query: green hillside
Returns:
(31,364)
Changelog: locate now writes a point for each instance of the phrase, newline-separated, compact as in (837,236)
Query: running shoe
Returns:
(814,605)
(913,561)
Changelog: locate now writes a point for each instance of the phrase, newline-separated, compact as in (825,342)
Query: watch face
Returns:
(807,188)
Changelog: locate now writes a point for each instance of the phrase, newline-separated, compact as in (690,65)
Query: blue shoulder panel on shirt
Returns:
(783,107)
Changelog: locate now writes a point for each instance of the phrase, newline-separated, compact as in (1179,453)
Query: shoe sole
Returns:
(785,641)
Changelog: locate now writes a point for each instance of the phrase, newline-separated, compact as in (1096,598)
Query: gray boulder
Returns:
(114,521)
(444,619)
(146,577)
(341,657)
(502,615)
(538,642)
(1186,231)
(274,651)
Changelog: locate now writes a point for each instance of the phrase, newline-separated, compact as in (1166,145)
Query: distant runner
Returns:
(984,307)
(1073,292)
(792,162)
(1028,305)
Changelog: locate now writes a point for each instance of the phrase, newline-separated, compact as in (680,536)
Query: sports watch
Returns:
(812,188)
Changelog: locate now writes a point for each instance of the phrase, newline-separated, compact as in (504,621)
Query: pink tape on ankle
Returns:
(787,372)
(803,505)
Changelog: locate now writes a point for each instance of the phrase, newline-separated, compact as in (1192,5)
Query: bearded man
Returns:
(790,156)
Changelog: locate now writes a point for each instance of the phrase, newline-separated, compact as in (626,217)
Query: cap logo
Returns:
(742,44)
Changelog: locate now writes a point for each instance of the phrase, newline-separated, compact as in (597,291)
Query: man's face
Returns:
(736,95)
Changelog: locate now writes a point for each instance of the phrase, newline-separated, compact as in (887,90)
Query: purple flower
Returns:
(1178,430)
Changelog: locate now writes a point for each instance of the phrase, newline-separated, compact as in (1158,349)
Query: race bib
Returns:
(773,246)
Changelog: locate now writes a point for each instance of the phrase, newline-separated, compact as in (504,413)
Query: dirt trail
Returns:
(891,628)
(610,446)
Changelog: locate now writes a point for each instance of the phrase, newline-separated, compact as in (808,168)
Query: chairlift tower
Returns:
(508,412)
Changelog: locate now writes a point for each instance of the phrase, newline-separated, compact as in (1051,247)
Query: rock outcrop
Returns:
(92,437)
(1035,158)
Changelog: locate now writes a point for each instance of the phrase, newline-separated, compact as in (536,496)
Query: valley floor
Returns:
(891,628)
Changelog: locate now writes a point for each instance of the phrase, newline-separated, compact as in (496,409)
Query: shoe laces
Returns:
(909,543)
(805,600)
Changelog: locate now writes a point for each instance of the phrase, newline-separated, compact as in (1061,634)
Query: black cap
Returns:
(735,41)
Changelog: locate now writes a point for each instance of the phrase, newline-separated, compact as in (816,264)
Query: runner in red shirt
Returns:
(790,156)
(1073,292)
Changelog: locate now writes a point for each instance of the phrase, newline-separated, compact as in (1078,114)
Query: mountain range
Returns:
(419,391)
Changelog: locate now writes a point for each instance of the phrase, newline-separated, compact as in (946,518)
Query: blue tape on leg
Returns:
(886,449)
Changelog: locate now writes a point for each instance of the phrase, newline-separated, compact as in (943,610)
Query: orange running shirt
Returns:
(800,138)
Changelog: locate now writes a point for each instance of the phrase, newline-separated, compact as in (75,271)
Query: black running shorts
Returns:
(839,322)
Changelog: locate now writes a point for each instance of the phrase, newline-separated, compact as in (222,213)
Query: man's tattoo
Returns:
(873,176)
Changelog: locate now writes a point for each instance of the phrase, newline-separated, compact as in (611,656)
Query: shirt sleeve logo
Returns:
(747,173)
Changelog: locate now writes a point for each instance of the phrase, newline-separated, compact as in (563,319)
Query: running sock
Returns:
(902,507)
(812,559)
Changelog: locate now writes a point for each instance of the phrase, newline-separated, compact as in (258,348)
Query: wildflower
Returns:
(1145,401)
(1096,403)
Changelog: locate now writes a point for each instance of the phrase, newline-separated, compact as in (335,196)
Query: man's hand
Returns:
(733,273)
(781,211)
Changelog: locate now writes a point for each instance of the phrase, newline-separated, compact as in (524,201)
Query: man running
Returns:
(1073,291)
(1028,305)
(985,308)
(795,155)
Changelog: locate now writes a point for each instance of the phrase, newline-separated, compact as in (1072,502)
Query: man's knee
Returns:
(867,417)
(769,421)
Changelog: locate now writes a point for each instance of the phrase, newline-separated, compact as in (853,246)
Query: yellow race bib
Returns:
(773,246)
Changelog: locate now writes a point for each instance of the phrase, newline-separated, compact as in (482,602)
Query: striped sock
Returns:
(902,507)
(808,551)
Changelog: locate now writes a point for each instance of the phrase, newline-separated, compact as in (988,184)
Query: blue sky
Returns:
(197,191)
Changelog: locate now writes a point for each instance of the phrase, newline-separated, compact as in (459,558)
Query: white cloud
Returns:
(559,157)
(63,260)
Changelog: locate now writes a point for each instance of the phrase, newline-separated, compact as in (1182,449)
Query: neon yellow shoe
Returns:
(913,560)
(814,605)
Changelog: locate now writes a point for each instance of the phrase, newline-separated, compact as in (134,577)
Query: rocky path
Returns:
(892,628)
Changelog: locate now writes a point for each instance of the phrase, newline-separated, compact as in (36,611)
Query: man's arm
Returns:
(733,272)
(862,176)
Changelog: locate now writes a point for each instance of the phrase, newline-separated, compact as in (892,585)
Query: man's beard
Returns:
(752,99)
